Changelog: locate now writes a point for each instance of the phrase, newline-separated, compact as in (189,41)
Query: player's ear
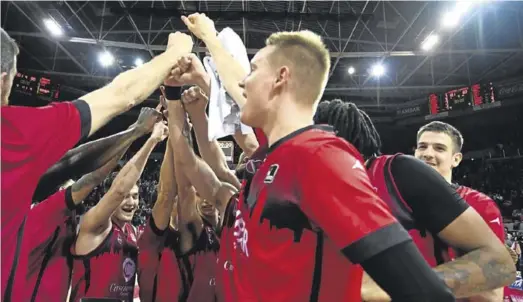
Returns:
(456,159)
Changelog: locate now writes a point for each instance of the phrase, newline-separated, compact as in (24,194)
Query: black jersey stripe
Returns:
(318,265)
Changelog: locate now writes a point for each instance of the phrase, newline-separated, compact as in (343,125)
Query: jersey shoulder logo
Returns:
(271,174)
(358,165)
(496,221)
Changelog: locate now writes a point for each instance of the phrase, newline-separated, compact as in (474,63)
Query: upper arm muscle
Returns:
(468,232)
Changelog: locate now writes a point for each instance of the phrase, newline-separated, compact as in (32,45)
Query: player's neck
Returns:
(285,121)
(119,223)
(448,177)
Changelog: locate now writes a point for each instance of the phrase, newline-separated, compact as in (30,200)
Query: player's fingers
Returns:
(186,21)
(159,106)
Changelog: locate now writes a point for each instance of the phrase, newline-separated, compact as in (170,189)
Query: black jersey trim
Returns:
(12,272)
(296,133)
(69,201)
(85,117)
(47,257)
(376,242)
(318,265)
(155,228)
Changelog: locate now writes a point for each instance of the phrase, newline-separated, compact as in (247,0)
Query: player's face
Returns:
(128,206)
(208,210)
(257,89)
(7,83)
(436,149)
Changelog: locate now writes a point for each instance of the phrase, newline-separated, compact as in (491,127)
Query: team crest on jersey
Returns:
(129,269)
(273,169)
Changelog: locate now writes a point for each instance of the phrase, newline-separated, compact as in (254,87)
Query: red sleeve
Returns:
(336,194)
(489,211)
(46,132)
(46,216)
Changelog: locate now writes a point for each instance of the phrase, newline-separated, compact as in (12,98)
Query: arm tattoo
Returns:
(474,273)
(89,180)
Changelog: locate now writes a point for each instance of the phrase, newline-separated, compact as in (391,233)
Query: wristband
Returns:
(173,93)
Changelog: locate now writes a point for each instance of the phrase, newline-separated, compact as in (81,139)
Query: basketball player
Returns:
(27,131)
(435,216)
(158,274)
(197,220)
(439,146)
(105,251)
(287,232)
(45,248)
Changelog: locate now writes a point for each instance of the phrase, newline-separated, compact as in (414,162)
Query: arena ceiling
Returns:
(485,44)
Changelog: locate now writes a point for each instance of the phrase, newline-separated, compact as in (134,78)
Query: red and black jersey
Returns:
(309,199)
(109,271)
(33,139)
(151,243)
(486,208)
(49,233)
(200,270)
(226,280)
(420,199)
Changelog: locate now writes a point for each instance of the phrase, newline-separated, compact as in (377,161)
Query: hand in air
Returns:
(148,118)
(200,25)
(180,42)
(160,131)
(194,100)
(188,71)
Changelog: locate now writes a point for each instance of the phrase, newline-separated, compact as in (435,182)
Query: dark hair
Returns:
(350,123)
(9,51)
(442,127)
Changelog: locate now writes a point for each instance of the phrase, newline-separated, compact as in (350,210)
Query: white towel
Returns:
(224,113)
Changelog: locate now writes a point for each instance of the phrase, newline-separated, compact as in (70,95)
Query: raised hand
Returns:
(200,25)
(192,70)
(182,42)
(194,100)
(160,131)
(148,118)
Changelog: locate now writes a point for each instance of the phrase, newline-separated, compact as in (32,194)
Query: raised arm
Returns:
(190,71)
(133,86)
(83,187)
(167,190)
(195,102)
(93,155)
(230,70)
(198,172)
(97,219)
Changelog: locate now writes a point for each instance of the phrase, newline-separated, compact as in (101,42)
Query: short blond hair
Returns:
(308,55)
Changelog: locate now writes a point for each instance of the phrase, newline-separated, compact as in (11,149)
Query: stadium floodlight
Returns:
(351,70)
(106,59)
(452,17)
(430,42)
(138,62)
(54,28)
(377,70)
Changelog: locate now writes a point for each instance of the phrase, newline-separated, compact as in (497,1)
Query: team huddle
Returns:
(313,211)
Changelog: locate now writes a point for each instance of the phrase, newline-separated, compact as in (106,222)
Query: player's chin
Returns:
(247,118)
(126,216)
